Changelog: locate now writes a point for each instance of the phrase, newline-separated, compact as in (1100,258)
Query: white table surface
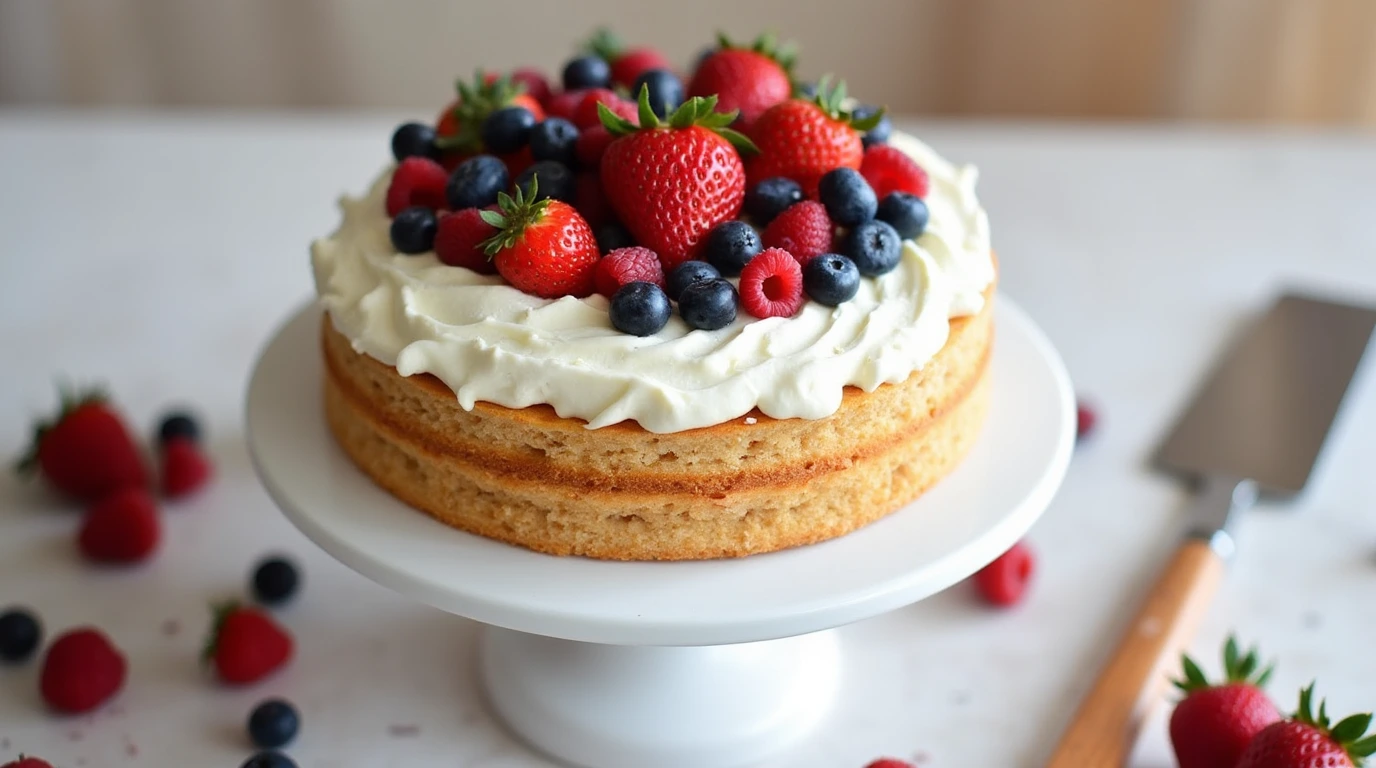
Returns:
(155,253)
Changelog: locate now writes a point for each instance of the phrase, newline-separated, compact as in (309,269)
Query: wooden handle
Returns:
(1108,721)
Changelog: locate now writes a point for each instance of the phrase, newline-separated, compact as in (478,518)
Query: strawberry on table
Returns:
(749,79)
(185,468)
(1308,741)
(86,452)
(27,762)
(82,669)
(1213,724)
(121,528)
(627,64)
(246,644)
(541,247)
(803,139)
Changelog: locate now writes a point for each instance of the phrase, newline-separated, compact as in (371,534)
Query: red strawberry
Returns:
(804,230)
(628,265)
(1004,581)
(185,469)
(459,127)
(672,182)
(459,238)
(81,671)
(566,103)
(1306,741)
(889,169)
(589,199)
(772,284)
(803,139)
(750,80)
(86,452)
(246,645)
(542,247)
(537,87)
(1213,724)
(121,528)
(591,145)
(585,116)
(417,181)
(27,762)
(627,64)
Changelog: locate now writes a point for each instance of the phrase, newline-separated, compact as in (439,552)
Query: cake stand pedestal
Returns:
(699,664)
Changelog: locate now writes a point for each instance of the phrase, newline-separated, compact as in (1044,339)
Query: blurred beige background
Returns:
(1308,61)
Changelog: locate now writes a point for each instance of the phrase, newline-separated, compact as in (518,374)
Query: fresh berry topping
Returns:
(708,304)
(772,284)
(185,468)
(246,645)
(417,181)
(874,247)
(459,130)
(730,246)
(624,266)
(1213,724)
(881,131)
(831,279)
(20,633)
(889,762)
(554,139)
(889,169)
(665,90)
(508,129)
(803,230)
(611,236)
(269,759)
(587,72)
(536,86)
(414,140)
(627,64)
(687,273)
(556,182)
(804,139)
(586,116)
(178,424)
(1309,741)
(591,201)
(905,212)
(458,241)
(847,196)
(771,197)
(275,581)
(86,451)
(750,79)
(1004,581)
(565,103)
(592,145)
(27,762)
(82,669)
(413,230)
(476,182)
(640,309)
(542,246)
(121,528)
(273,724)
(1086,419)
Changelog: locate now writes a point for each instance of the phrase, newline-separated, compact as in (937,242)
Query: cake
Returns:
(734,383)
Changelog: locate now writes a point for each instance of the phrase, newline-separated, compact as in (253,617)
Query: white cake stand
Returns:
(677,665)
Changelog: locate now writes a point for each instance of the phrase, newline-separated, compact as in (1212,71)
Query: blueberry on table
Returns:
(848,198)
(413,230)
(275,581)
(269,759)
(414,140)
(905,212)
(273,724)
(730,246)
(476,182)
(770,198)
(666,90)
(555,139)
(611,236)
(831,279)
(640,309)
(587,72)
(686,274)
(882,130)
(20,634)
(555,181)
(708,304)
(874,246)
(178,424)
(508,129)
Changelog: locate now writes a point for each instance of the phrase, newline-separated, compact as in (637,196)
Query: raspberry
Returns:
(565,104)
(592,144)
(804,230)
(417,181)
(1004,581)
(1086,418)
(185,469)
(458,237)
(772,284)
(82,669)
(890,170)
(585,116)
(627,265)
(889,762)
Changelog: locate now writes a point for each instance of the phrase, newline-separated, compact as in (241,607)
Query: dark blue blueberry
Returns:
(476,182)
(831,279)
(686,274)
(708,304)
(555,180)
(611,236)
(275,581)
(19,635)
(730,246)
(273,724)
(666,90)
(413,230)
(178,424)
(587,72)
(554,139)
(414,140)
(770,198)
(270,759)
(905,212)
(640,309)
(848,197)
(880,133)
(508,129)
(874,247)
(806,90)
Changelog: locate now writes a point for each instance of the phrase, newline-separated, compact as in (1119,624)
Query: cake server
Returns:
(1256,427)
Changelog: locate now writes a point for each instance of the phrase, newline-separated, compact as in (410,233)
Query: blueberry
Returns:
(587,72)
(508,129)
(831,279)
(19,635)
(554,139)
(413,230)
(770,198)
(476,182)
(555,181)
(178,424)
(275,581)
(905,212)
(874,247)
(666,90)
(611,236)
(708,304)
(806,90)
(273,724)
(848,197)
(730,246)
(269,759)
(880,133)
(640,309)
(686,274)
(414,140)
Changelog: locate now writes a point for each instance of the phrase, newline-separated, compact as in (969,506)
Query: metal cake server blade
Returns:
(1257,426)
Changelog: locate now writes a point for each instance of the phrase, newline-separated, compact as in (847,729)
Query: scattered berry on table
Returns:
(1086,419)
(24,761)
(1305,740)
(414,140)
(905,212)
(590,201)
(771,284)
(640,309)
(881,131)
(889,169)
(246,644)
(458,240)
(556,182)
(20,634)
(476,182)
(889,762)
(269,759)
(508,129)
(730,246)
(831,279)
(275,580)
(82,669)
(874,246)
(1004,581)
(627,265)
(592,144)
(749,79)
(86,451)
(123,527)
(185,468)
(848,198)
(587,72)
(555,139)
(416,181)
(178,424)
(611,236)
(771,197)
(708,304)
(565,103)
(273,723)
(626,64)
(413,230)
(687,273)
(665,90)
(803,139)
(803,230)
(1212,725)
(542,246)
(534,81)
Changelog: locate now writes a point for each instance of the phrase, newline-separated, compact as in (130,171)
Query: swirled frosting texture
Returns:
(490,342)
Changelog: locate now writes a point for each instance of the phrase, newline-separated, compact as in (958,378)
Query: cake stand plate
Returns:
(682,664)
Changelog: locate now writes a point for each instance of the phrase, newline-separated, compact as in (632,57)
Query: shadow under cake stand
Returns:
(678,664)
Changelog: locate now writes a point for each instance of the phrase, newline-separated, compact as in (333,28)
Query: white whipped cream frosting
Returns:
(490,342)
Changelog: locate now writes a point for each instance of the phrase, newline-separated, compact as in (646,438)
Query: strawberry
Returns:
(1306,741)
(748,80)
(802,139)
(627,63)
(417,181)
(245,644)
(185,469)
(542,247)
(536,85)
(458,130)
(458,241)
(627,265)
(772,284)
(804,230)
(889,169)
(672,181)
(86,452)
(27,762)
(591,145)
(1213,724)
(81,670)
(121,528)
